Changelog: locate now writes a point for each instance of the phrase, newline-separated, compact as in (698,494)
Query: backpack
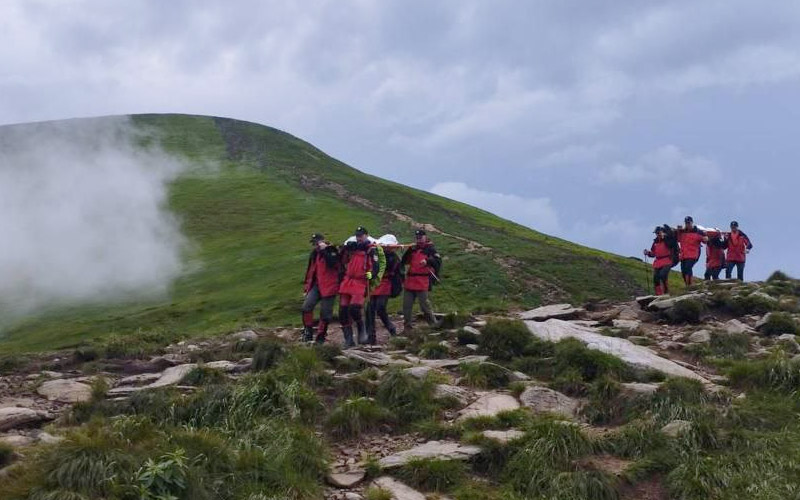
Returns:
(397,275)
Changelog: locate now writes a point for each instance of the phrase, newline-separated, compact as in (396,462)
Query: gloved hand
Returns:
(369,275)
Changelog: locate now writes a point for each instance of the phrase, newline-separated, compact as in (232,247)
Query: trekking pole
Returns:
(647,274)
(446,291)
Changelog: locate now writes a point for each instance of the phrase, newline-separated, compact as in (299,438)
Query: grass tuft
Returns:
(354,417)
(504,339)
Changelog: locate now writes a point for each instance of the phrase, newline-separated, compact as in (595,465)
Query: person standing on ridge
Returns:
(690,238)
(423,265)
(391,285)
(739,245)
(321,287)
(360,262)
(661,251)
(715,254)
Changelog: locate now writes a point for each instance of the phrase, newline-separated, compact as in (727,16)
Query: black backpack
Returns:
(397,274)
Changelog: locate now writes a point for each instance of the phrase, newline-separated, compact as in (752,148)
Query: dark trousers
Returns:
(687,266)
(739,270)
(712,273)
(313,298)
(409,296)
(661,278)
(377,306)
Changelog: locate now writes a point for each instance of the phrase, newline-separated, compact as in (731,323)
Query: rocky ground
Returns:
(656,337)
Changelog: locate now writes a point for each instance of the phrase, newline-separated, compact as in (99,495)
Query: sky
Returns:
(591,121)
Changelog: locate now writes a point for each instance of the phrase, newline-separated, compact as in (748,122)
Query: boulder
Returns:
(441,450)
(439,363)
(763,321)
(645,300)
(418,371)
(636,389)
(225,366)
(735,326)
(172,375)
(626,324)
(544,400)
(398,490)
(559,311)
(676,428)
(144,378)
(346,480)
(665,302)
(639,357)
(451,391)
(16,440)
(15,418)
(472,330)
(245,335)
(474,358)
(503,437)
(700,337)
(374,358)
(489,405)
(65,391)
(47,438)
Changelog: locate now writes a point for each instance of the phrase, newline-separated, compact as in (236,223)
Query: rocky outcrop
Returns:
(65,391)
(503,437)
(16,418)
(442,450)
(489,405)
(544,400)
(398,490)
(557,311)
(555,330)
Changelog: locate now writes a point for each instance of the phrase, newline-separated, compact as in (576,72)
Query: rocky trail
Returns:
(655,337)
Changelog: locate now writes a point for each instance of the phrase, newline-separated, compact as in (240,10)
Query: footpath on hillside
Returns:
(688,396)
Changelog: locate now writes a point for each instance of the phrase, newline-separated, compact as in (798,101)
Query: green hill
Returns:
(249,222)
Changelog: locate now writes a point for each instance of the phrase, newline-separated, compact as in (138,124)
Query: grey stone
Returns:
(545,400)
(346,480)
(452,391)
(645,300)
(439,363)
(398,490)
(676,428)
(47,438)
(418,371)
(65,391)
(665,302)
(700,337)
(559,311)
(442,450)
(15,418)
(225,366)
(374,358)
(472,330)
(555,330)
(245,335)
(626,324)
(638,389)
(16,440)
(503,436)
(735,326)
(473,359)
(488,405)
(172,375)
(144,378)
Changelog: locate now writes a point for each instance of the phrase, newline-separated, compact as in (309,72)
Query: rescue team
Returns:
(682,245)
(365,272)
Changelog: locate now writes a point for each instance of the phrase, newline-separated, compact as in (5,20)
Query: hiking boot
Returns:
(392,332)
(363,338)
(347,331)
(320,338)
(308,334)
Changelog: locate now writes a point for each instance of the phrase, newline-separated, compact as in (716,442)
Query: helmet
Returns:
(387,240)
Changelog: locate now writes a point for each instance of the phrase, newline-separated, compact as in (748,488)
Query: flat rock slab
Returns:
(545,400)
(172,376)
(626,324)
(559,311)
(474,358)
(374,358)
(638,389)
(452,391)
(555,330)
(17,440)
(503,437)
(489,405)
(418,371)
(143,378)
(645,300)
(735,326)
(666,302)
(398,490)
(65,391)
(346,480)
(441,450)
(15,418)
(439,363)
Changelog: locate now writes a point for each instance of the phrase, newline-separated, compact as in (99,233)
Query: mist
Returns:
(84,216)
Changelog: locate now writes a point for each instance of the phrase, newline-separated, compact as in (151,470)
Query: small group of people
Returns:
(724,250)
(364,273)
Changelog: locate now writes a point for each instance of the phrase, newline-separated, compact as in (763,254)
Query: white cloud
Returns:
(536,213)
(667,169)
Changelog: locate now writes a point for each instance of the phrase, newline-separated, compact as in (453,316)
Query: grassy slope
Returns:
(249,221)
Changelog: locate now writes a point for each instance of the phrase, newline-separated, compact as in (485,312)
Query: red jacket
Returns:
(323,269)
(715,251)
(690,242)
(418,278)
(358,260)
(662,254)
(738,244)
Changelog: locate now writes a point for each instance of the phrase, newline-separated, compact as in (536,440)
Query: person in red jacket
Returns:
(360,263)
(423,263)
(690,239)
(661,251)
(739,245)
(321,286)
(715,255)
(379,297)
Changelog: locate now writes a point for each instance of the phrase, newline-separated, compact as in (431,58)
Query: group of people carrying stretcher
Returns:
(367,272)
(724,250)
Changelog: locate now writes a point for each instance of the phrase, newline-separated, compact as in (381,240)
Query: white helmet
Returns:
(353,239)
(387,240)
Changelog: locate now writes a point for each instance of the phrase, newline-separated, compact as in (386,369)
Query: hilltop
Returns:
(248,219)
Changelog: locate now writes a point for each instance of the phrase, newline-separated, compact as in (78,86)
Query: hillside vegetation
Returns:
(249,219)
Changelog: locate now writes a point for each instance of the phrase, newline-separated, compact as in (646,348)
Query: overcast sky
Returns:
(593,124)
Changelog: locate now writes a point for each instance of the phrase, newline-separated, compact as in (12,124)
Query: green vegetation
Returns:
(686,311)
(409,399)
(484,375)
(203,375)
(432,474)
(356,416)
(246,263)
(779,323)
(504,339)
